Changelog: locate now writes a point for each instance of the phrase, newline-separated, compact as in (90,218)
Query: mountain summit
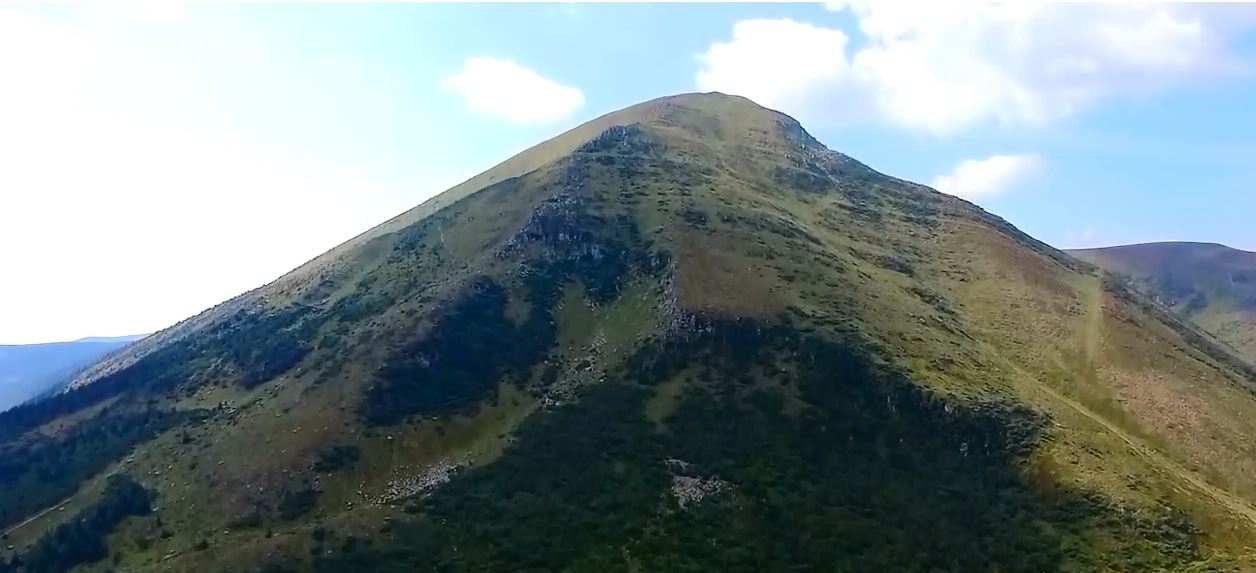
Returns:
(683,336)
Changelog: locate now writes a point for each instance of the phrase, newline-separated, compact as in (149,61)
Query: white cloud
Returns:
(145,179)
(781,63)
(986,177)
(506,90)
(943,67)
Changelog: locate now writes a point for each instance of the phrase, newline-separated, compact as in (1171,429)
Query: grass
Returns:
(968,309)
(666,397)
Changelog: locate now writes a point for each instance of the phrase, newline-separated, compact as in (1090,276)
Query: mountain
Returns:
(685,336)
(1211,285)
(121,339)
(28,370)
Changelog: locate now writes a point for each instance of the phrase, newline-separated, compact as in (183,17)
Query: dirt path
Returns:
(1092,335)
(111,471)
(28,521)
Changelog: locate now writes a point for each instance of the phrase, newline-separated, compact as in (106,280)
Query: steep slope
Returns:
(1211,285)
(684,336)
(28,370)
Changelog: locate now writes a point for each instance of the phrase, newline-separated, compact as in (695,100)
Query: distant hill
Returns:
(1212,285)
(28,370)
(684,336)
(111,339)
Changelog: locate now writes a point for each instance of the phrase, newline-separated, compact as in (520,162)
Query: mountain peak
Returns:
(703,112)
(709,103)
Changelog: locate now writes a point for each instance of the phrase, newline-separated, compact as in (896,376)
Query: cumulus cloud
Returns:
(506,90)
(781,63)
(986,177)
(943,67)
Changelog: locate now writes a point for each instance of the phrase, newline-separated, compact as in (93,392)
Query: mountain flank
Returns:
(1211,285)
(685,336)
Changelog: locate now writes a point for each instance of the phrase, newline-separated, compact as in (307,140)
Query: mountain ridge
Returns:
(125,338)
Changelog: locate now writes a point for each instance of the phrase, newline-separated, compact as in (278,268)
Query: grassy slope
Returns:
(1211,285)
(963,303)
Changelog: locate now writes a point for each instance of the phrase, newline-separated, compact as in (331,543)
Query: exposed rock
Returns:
(426,480)
(689,490)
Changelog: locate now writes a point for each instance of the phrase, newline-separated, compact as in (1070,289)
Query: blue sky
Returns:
(158,158)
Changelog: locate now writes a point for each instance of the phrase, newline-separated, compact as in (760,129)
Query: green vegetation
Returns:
(336,458)
(475,344)
(276,344)
(873,475)
(297,502)
(461,362)
(48,469)
(82,539)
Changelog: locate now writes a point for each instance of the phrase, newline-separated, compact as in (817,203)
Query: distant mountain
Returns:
(684,336)
(28,370)
(1212,285)
(122,339)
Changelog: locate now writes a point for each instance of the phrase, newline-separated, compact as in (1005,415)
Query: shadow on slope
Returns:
(805,456)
